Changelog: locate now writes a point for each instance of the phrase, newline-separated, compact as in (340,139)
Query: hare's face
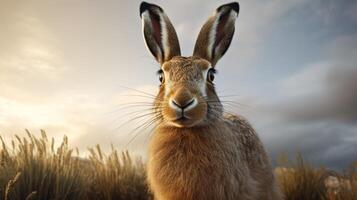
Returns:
(187,97)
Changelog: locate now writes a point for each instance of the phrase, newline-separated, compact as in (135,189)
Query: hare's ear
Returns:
(217,33)
(159,34)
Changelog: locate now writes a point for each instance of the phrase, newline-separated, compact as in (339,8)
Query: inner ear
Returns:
(217,33)
(221,35)
(159,34)
(156,33)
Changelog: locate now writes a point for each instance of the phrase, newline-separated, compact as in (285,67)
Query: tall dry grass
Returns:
(31,168)
(299,180)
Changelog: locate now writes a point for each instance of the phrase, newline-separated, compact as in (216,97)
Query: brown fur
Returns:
(222,158)
(208,155)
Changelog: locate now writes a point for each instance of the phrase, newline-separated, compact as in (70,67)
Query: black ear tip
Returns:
(233,5)
(143,7)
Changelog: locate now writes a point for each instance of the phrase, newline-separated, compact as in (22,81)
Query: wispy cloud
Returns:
(29,50)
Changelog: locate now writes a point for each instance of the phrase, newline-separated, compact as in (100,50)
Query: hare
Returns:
(196,152)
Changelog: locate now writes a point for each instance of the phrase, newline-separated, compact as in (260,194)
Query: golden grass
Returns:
(32,169)
(299,180)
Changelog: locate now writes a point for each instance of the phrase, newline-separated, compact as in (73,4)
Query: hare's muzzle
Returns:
(184,109)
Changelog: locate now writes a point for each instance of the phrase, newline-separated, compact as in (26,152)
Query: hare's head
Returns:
(187,95)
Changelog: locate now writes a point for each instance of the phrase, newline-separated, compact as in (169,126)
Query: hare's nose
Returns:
(182,99)
(183,106)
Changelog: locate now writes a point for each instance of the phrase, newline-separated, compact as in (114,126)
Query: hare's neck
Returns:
(198,140)
(199,133)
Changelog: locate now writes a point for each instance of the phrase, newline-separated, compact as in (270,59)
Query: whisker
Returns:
(228,96)
(133,89)
(139,103)
(143,126)
(132,113)
(225,102)
(138,95)
(158,122)
(235,103)
(136,105)
(129,107)
(224,108)
(133,105)
(136,118)
(143,96)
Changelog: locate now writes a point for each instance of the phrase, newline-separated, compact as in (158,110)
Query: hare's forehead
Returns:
(185,69)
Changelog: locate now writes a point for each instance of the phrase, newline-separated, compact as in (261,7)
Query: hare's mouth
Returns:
(183,121)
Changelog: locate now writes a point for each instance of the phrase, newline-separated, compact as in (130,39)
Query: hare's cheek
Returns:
(198,113)
(169,113)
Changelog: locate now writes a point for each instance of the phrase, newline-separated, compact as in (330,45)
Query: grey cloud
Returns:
(326,143)
(321,125)
(337,100)
(314,111)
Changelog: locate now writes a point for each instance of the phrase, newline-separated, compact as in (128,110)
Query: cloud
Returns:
(325,90)
(30,63)
(321,92)
(351,12)
(29,50)
(313,110)
(325,143)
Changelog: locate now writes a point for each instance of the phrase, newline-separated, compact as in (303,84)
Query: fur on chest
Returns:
(189,162)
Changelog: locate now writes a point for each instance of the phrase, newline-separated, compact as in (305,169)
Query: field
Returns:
(31,168)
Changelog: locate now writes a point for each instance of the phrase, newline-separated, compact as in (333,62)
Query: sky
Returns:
(71,67)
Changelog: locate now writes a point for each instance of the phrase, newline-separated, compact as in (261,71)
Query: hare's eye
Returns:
(210,74)
(161,76)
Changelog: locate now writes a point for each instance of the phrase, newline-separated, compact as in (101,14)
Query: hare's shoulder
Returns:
(249,140)
(242,128)
(253,153)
